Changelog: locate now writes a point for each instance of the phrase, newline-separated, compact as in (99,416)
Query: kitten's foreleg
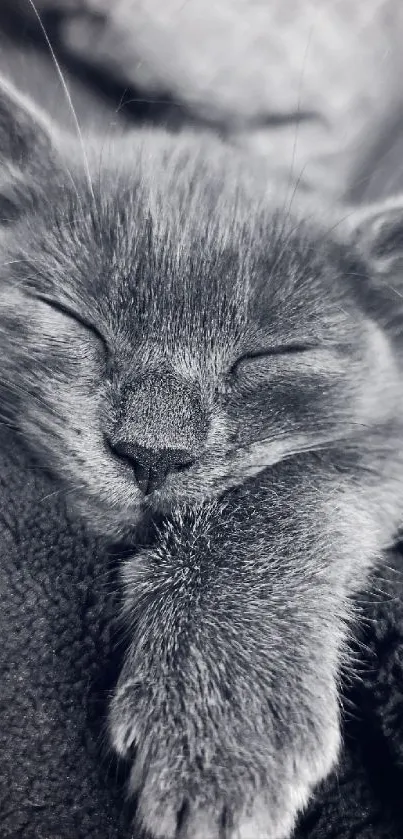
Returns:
(228,698)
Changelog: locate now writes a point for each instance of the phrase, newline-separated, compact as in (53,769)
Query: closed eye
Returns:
(71,313)
(283,349)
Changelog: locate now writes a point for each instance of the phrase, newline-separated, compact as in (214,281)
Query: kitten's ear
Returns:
(25,133)
(377,233)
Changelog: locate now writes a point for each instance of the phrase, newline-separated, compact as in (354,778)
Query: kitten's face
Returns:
(172,335)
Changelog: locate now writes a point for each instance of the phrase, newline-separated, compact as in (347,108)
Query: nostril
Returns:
(147,479)
(124,449)
(150,466)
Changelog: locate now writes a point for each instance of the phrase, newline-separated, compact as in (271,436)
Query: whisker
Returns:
(286,208)
(68,97)
(143,101)
(63,491)
(19,389)
(121,102)
(296,187)
(334,439)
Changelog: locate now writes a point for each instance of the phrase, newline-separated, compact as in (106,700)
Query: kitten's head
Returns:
(167,329)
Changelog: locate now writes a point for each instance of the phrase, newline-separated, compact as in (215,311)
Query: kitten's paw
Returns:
(217,791)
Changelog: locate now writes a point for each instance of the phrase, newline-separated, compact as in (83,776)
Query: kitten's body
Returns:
(168,324)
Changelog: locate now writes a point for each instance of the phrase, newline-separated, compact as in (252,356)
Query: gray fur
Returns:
(163,268)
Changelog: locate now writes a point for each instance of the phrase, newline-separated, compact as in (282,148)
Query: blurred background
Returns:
(314,88)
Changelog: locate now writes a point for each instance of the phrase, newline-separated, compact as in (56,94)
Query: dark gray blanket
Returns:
(59,654)
(56,652)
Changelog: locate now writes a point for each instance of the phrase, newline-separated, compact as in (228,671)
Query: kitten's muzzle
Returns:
(160,428)
(151,467)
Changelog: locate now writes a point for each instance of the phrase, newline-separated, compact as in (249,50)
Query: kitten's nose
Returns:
(151,466)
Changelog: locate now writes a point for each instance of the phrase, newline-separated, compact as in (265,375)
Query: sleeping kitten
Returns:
(176,343)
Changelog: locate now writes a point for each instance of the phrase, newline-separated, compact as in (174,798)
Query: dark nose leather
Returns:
(151,466)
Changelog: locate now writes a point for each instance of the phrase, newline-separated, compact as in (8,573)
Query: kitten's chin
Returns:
(121,523)
(109,523)
(123,519)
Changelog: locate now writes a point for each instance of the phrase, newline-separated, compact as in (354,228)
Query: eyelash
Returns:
(65,310)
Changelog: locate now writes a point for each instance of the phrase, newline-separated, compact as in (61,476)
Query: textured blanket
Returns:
(59,656)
